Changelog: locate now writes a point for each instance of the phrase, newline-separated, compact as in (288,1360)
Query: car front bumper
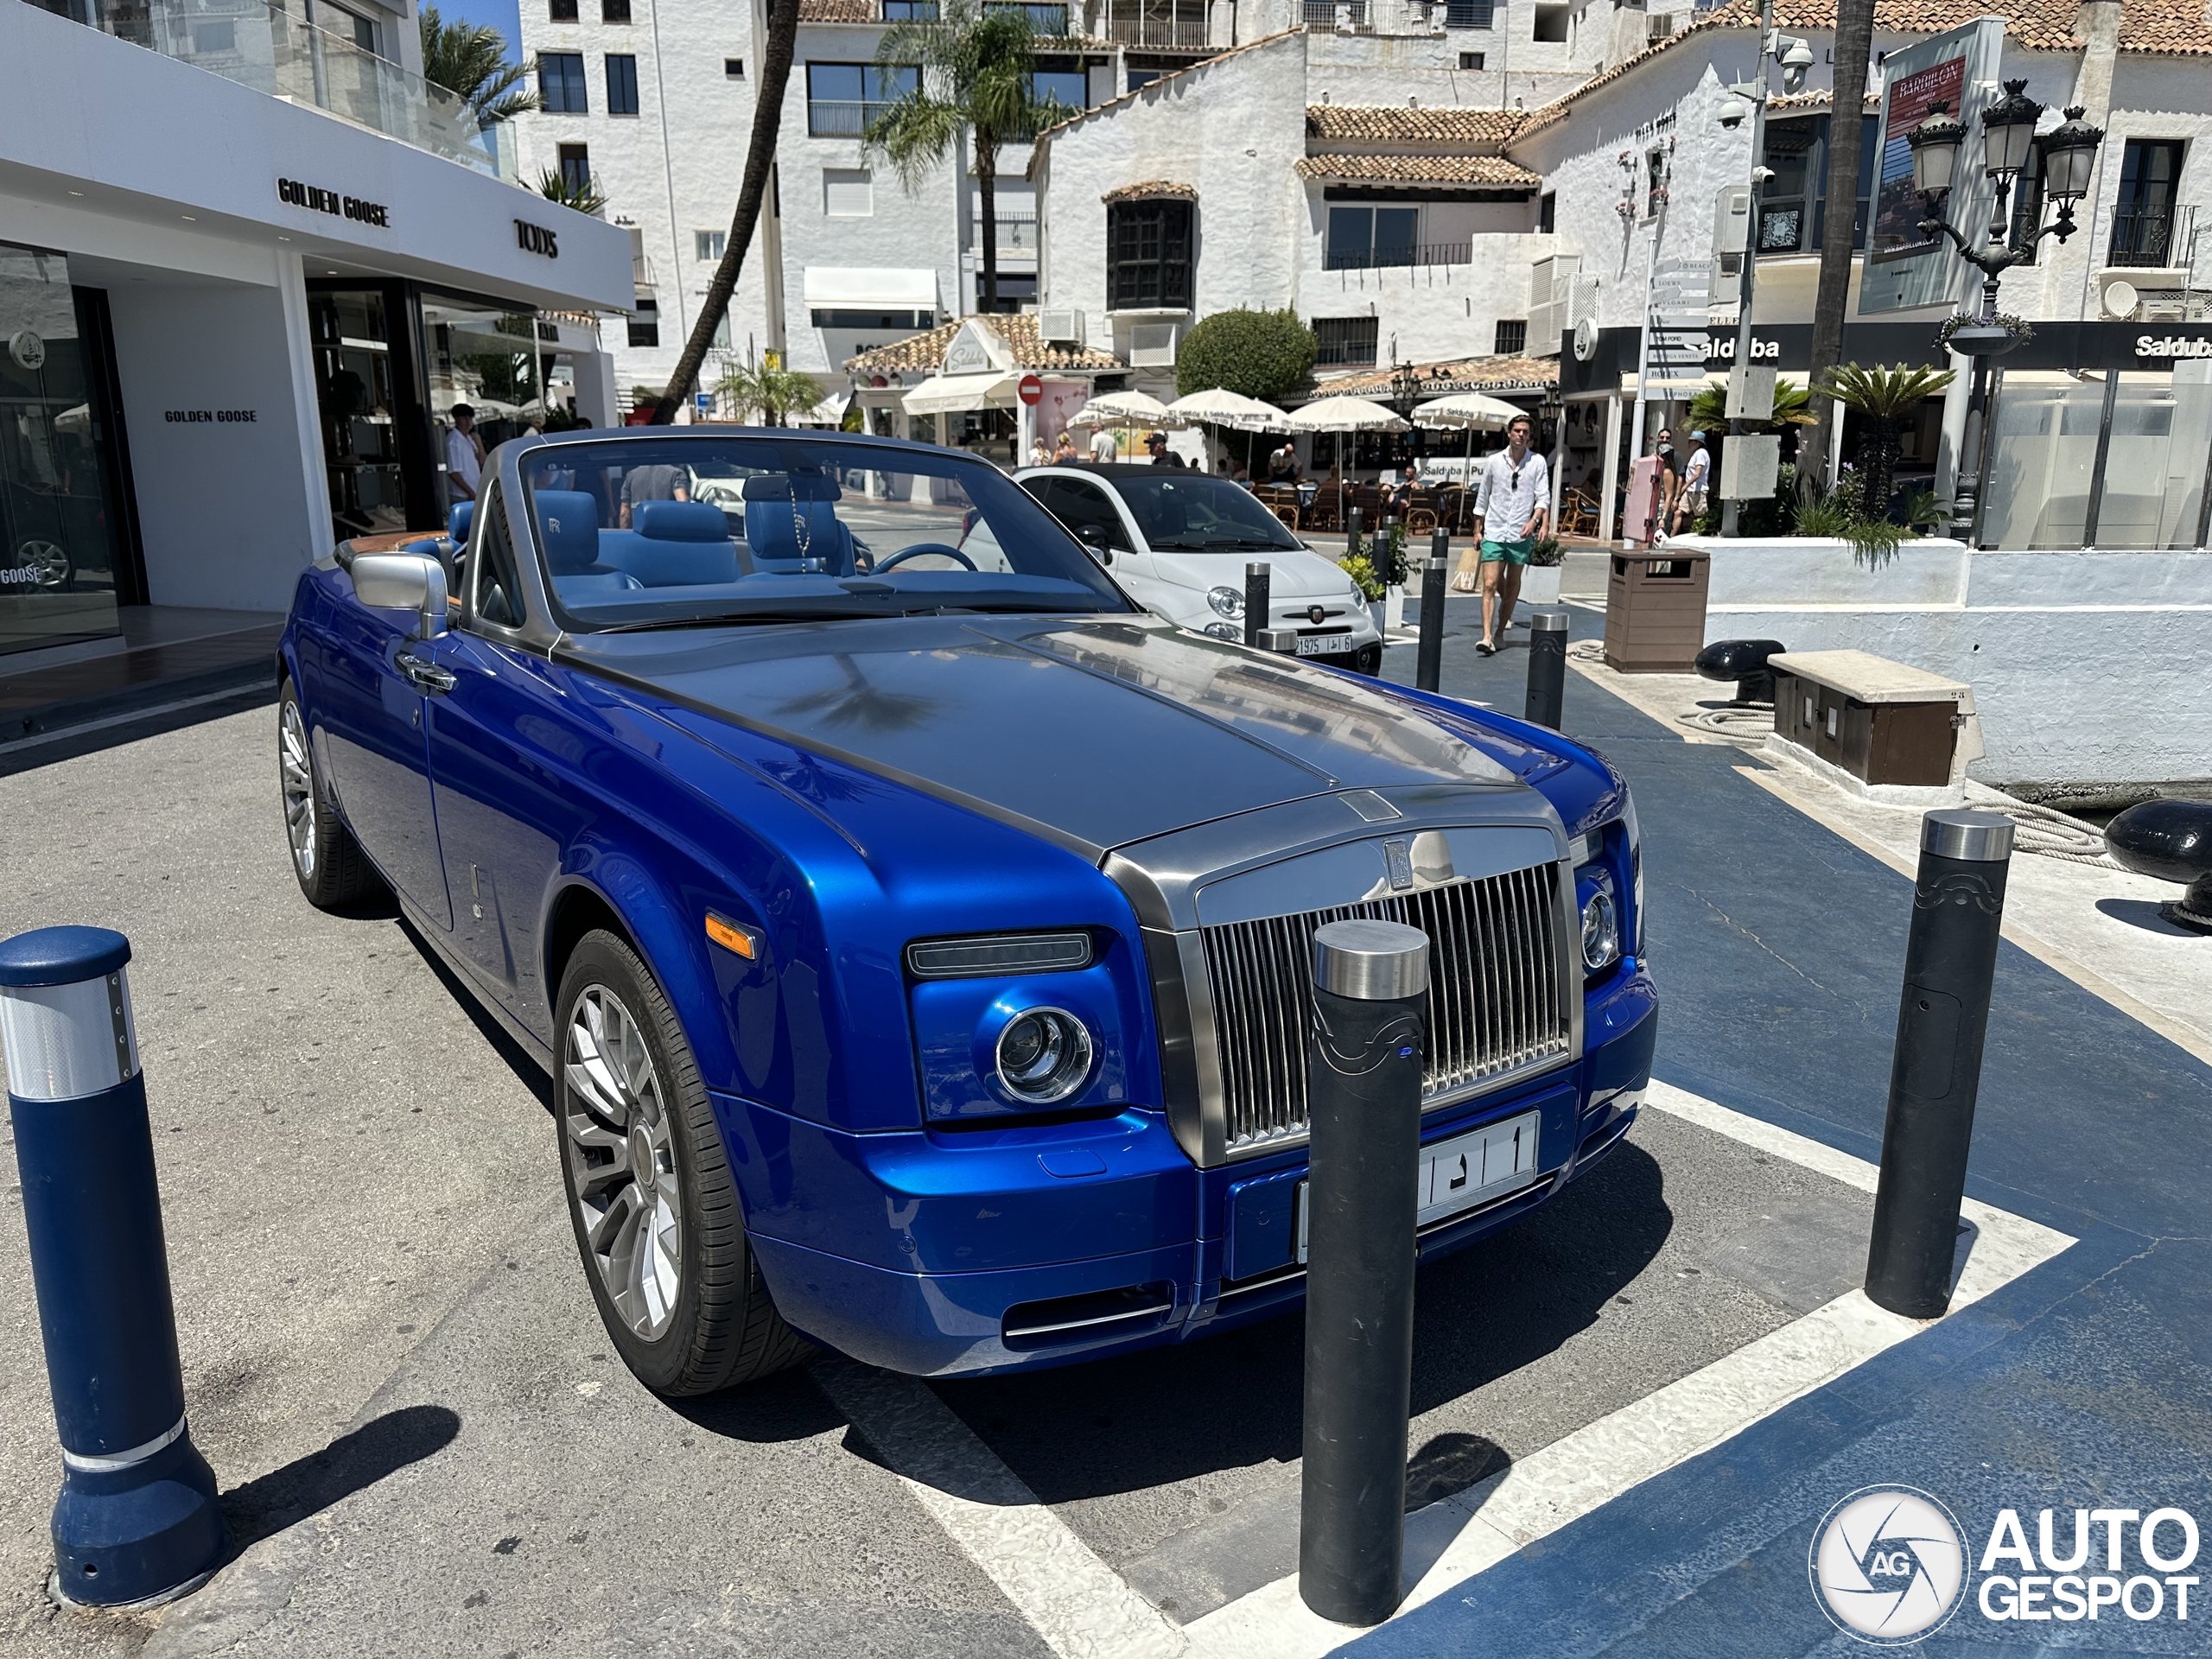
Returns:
(944,1255)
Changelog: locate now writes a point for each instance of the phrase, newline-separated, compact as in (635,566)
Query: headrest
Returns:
(791,487)
(680,521)
(568,522)
(464,513)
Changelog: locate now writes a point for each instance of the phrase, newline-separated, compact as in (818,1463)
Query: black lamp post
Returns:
(2009,139)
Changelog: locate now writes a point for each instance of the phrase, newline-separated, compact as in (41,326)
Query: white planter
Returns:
(1393,606)
(1540,584)
(1378,611)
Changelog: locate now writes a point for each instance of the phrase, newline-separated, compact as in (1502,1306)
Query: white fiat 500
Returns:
(1178,542)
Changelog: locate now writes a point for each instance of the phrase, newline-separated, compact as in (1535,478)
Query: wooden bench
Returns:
(1883,723)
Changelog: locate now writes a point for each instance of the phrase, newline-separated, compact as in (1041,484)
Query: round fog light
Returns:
(1601,933)
(1044,1055)
(1224,631)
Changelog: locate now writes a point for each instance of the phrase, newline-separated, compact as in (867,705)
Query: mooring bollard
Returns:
(1257,577)
(1950,962)
(1363,1070)
(136,1521)
(1428,659)
(1547,668)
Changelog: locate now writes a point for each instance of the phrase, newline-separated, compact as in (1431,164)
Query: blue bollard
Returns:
(138,1520)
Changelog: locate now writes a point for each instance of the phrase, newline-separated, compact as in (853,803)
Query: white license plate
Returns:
(1467,1170)
(1321,645)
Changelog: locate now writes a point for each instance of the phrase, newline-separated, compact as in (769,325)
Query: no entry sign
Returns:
(1031,390)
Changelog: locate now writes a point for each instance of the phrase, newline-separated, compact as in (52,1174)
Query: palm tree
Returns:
(1886,397)
(976,67)
(1854,44)
(580,193)
(470,61)
(752,190)
(768,387)
(1792,407)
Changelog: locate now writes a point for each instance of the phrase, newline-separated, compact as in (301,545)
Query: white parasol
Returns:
(1343,415)
(1123,409)
(1468,409)
(1220,407)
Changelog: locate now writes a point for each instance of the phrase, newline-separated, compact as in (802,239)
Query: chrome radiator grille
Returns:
(1495,1004)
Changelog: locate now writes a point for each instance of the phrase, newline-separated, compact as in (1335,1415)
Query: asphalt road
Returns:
(426,1443)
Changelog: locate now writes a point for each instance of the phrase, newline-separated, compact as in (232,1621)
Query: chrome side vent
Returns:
(1498,1003)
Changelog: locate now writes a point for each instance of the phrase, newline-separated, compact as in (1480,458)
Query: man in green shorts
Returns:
(1512,506)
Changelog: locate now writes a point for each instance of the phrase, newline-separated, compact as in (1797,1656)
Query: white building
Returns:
(247,265)
(1282,173)
(1636,159)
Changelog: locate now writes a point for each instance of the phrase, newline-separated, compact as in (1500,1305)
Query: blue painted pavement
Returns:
(1778,948)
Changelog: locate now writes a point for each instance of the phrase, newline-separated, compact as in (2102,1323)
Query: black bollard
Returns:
(1256,580)
(1428,661)
(1547,668)
(136,1521)
(1352,532)
(1950,961)
(1363,1073)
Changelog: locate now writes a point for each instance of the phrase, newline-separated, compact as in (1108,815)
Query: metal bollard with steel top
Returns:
(1547,669)
(1257,578)
(1282,641)
(1352,532)
(1950,964)
(137,1521)
(1428,659)
(1363,1070)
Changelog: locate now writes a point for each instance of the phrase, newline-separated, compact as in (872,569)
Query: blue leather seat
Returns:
(568,528)
(791,521)
(457,522)
(674,544)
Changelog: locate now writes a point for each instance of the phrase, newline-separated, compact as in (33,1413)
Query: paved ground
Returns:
(428,1447)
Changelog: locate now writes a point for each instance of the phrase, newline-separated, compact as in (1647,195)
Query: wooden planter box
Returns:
(1655,610)
(1881,721)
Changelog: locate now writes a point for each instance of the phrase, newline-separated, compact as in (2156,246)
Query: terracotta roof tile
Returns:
(1431,124)
(2156,28)
(1493,172)
(1487,374)
(837,11)
(1019,330)
(1151,189)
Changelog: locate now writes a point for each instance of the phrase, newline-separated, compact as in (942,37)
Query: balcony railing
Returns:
(1336,14)
(1426,253)
(2152,236)
(837,118)
(259,44)
(1160,34)
(1016,235)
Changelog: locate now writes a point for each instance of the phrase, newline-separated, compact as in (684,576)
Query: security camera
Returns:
(1796,59)
(1732,116)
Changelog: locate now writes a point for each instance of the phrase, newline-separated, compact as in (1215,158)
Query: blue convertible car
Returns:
(916,931)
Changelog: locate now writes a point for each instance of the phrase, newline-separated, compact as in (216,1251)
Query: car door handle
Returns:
(423,674)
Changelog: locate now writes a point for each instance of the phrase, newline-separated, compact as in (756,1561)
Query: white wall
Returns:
(225,508)
(2085,665)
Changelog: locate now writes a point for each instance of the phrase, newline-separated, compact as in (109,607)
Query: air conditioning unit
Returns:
(1152,346)
(1061,325)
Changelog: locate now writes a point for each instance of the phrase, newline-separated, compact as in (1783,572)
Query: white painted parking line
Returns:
(1084,1610)
(1452,1541)
(1078,1604)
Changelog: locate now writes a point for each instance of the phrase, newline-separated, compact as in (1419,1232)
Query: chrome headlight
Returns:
(1226,602)
(1044,1056)
(1601,933)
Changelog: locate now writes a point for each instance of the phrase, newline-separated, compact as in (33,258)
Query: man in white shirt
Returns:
(1104,450)
(464,456)
(1512,505)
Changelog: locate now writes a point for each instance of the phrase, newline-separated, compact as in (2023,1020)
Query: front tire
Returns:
(656,1213)
(332,869)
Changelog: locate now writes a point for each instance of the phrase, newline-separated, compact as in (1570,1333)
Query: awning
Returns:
(853,287)
(955,394)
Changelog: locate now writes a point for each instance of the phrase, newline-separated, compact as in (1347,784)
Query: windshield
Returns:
(685,530)
(1193,512)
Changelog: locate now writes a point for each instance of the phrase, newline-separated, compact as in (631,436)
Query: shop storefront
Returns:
(217,358)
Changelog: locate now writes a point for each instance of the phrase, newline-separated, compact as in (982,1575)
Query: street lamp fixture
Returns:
(2069,155)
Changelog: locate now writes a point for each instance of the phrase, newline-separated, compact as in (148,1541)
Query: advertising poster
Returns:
(1905,268)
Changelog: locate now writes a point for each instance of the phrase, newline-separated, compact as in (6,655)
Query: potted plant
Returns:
(1539,580)
(1372,588)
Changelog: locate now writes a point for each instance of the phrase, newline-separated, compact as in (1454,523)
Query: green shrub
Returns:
(1260,355)
(1546,553)
(1362,572)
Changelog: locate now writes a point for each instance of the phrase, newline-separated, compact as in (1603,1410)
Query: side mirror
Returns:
(1094,542)
(404,582)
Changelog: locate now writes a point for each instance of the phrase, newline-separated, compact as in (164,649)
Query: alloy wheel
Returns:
(50,560)
(296,778)
(623,1175)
